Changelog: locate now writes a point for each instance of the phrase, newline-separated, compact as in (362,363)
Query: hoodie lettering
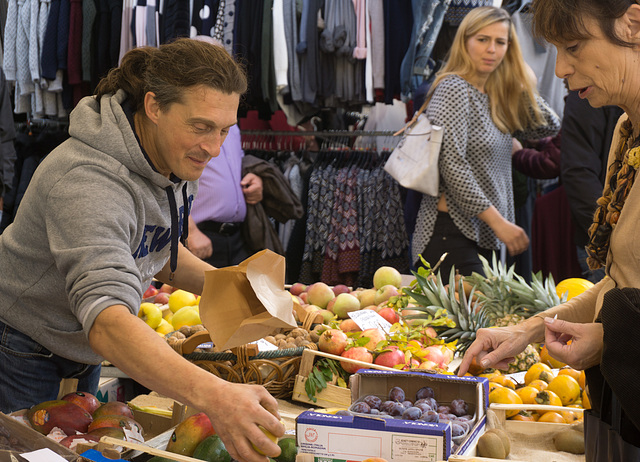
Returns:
(156,238)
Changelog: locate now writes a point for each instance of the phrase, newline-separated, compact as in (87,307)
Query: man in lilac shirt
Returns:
(221,205)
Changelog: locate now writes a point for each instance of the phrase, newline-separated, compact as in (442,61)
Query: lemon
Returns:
(185,316)
(270,435)
(181,298)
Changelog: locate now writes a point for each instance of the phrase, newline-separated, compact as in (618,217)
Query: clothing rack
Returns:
(308,140)
(322,133)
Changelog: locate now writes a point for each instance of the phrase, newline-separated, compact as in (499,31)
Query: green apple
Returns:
(151,314)
(387,275)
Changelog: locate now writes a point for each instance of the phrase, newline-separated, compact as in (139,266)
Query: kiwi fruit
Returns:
(490,445)
(569,441)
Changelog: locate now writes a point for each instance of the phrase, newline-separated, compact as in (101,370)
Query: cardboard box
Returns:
(27,440)
(114,389)
(356,437)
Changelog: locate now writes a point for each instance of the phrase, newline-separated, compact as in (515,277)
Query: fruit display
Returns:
(541,386)
(500,298)
(83,419)
(168,309)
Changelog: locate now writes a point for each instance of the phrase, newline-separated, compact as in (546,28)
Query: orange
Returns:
(549,360)
(528,394)
(504,381)
(548,397)
(572,372)
(566,387)
(551,416)
(582,379)
(586,402)
(493,385)
(504,395)
(538,371)
(539,384)
(525,416)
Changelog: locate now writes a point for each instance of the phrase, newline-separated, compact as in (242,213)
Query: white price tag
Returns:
(263,345)
(43,455)
(369,319)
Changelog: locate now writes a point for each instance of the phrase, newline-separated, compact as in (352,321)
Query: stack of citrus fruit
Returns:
(541,386)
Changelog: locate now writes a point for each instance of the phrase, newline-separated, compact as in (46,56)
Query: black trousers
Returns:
(228,250)
(461,251)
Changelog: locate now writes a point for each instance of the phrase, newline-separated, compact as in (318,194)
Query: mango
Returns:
(112,432)
(189,434)
(67,416)
(116,421)
(113,408)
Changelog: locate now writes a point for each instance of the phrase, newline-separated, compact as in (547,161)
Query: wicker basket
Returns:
(276,370)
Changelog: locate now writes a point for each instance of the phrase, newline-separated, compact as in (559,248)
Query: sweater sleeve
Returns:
(449,107)
(541,161)
(550,128)
(90,243)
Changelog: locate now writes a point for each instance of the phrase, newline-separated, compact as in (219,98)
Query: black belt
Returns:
(226,229)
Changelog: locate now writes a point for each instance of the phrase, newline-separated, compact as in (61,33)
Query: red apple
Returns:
(161,298)
(389,314)
(166,288)
(375,336)
(298,288)
(359,354)
(340,289)
(150,292)
(391,357)
(332,341)
(304,297)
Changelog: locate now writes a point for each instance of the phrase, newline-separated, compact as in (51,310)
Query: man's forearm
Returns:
(148,359)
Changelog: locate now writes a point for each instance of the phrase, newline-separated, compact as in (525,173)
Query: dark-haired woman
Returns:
(105,213)
(598,44)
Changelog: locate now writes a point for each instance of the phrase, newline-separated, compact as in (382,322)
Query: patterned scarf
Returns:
(618,183)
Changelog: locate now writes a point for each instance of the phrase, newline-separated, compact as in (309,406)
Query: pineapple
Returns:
(500,298)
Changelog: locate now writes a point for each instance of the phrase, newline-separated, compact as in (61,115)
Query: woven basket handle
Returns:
(192,342)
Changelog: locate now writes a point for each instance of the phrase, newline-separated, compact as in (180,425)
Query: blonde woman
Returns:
(483,96)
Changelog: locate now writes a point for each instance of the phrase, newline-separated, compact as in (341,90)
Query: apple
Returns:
(185,316)
(384,293)
(367,297)
(304,297)
(165,327)
(340,289)
(349,325)
(345,303)
(434,353)
(298,288)
(327,316)
(152,291)
(375,336)
(161,298)
(319,294)
(391,357)
(166,288)
(150,313)
(389,314)
(331,303)
(332,341)
(430,365)
(387,275)
(357,353)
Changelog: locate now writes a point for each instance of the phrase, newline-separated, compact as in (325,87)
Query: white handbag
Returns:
(414,161)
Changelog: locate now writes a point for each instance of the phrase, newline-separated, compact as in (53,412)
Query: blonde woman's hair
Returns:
(511,87)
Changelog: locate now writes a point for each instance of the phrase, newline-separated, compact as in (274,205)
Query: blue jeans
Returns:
(30,374)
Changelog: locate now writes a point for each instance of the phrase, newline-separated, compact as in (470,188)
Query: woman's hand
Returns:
(513,236)
(585,348)
(496,347)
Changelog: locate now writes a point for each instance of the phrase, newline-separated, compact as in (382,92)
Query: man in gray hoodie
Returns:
(106,212)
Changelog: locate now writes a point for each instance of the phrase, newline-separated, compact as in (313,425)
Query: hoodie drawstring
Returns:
(173,260)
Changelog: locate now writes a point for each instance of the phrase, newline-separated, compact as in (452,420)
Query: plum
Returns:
(412,413)
(423,406)
(430,416)
(396,394)
(343,412)
(459,407)
(407,404)
(386,406)
(425,392)
(396,410)
(373,401)
(361,407)
(374,411)
(444,409)
(457,430)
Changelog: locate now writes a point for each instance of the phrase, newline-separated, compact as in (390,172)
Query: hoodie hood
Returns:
(104,125)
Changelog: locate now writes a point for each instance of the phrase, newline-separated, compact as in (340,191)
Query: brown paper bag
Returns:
(244,303)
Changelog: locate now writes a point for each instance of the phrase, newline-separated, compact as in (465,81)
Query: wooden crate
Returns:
(333,396)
